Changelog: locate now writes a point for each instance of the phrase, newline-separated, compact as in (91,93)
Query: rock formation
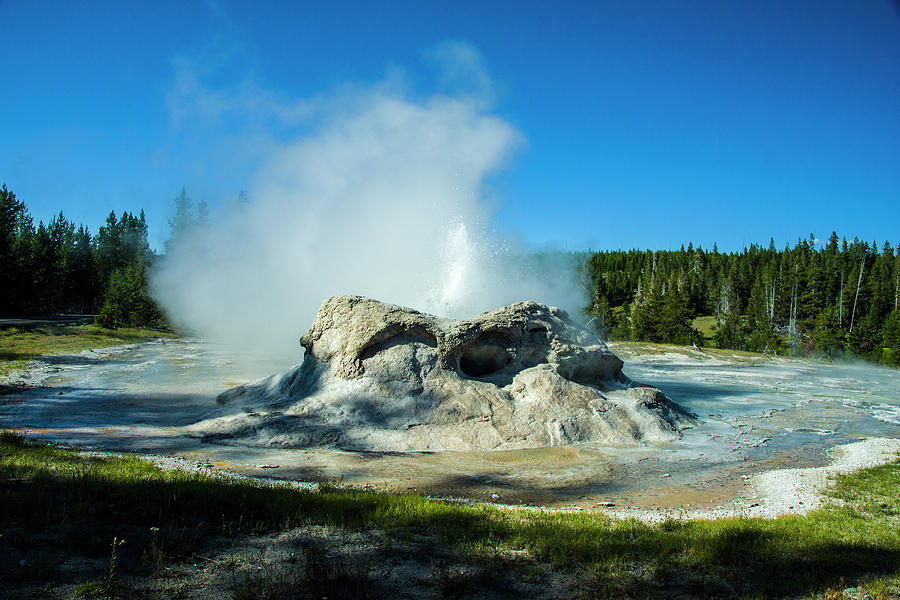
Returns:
(385,378)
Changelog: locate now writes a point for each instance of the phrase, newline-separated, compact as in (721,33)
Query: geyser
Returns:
(384,193)
(381,377)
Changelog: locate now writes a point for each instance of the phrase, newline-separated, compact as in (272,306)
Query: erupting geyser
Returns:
(382,377)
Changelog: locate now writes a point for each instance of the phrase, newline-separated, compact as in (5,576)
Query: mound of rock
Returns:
(386,378)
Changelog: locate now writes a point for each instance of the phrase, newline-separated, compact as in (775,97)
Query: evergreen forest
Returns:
(833,298)
(56,267)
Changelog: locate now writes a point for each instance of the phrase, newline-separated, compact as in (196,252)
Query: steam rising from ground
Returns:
(385,198)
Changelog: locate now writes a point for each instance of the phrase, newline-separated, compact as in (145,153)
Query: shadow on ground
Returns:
(58,530)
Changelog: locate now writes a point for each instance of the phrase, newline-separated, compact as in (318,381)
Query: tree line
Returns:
(835,298)
(56,267)
(839,297)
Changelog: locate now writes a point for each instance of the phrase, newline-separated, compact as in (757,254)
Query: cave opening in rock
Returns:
(587,375)
(480,360)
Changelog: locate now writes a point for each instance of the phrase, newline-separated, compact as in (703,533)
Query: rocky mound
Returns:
(386,378)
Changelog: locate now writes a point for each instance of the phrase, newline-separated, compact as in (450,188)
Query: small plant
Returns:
(261,580)
(172,541)
(106,586)
(165,590)
(154,552)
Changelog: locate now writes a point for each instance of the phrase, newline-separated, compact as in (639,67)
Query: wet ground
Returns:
(758,413)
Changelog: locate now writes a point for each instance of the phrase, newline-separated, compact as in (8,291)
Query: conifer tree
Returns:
(183,220)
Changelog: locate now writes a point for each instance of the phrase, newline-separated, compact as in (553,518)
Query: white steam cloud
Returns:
(384,198)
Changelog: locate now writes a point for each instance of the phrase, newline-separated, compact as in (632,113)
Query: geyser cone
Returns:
(382,377)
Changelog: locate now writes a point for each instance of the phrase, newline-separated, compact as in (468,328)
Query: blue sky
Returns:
(643,124)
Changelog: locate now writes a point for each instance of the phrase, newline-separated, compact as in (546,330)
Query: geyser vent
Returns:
(483,358)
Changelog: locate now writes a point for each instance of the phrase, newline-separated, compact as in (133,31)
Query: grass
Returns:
(108,585)
(321,576)
(627,350)
(76,504)
(707,327)
(18,346)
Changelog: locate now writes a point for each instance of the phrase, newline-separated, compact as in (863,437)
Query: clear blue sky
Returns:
(647,124)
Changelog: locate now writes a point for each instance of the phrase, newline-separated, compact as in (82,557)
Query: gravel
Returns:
(784,491)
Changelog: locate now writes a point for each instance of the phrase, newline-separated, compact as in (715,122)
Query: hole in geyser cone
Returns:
(588,375)
(483,359)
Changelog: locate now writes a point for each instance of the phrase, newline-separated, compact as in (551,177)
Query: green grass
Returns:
(707,327)
(627,350)
(51,497)
(17,346)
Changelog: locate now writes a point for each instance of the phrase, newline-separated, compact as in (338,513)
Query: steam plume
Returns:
(385,198)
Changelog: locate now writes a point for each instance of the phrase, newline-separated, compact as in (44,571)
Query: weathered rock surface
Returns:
(385,378)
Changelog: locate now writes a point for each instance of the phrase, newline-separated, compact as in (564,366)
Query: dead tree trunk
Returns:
(772,303)
(858,283)
(841,302)
(793,333)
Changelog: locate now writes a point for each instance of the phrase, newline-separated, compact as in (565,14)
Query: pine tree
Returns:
(891,335)
(12,211)
(183,220)
(83,290)
(760,335)
(109,248)
(603,320)
(675,321)
(23,291)
(125,303)
(644,316)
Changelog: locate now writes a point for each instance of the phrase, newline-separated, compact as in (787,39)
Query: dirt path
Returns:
(44,320)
